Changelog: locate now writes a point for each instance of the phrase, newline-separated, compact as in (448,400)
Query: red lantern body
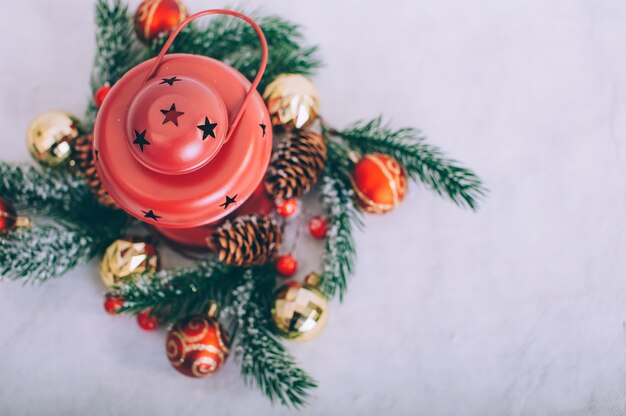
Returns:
(181,141)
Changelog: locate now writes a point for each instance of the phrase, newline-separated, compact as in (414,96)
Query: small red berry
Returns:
(318,227)
(287,207)
(286,265)
(112,304)
(146,321)
(101,94)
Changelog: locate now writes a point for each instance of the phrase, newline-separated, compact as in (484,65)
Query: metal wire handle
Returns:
(259,74)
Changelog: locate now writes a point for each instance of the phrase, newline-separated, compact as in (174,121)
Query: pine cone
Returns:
(83,161)
(248,240)
(296,165)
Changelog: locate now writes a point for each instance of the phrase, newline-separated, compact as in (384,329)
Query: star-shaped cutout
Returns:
(229,201)
(263,126)
(140,139)
(172,115)
(169,81)
(207,128)
(150,214)
(97,152)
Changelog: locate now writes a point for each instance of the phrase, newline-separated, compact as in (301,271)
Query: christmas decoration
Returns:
(205,191)
(287,207)
(50,136)
(246,241)
(101,94)
(113,304)
(296,165)
(154,17)
(9,218)
(286,265)
(197,346)
(318,227)
(292,101)
(147,321)
(300,311)
(83,160)
(125,258)
(379,183)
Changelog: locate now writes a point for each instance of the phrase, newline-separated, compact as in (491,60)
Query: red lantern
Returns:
(180,142)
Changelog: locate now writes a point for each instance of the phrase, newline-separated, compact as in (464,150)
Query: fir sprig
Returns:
(70,225)
(117,48)
(422,161)
(175,294)
(337,199)
(234,42)
(264,360)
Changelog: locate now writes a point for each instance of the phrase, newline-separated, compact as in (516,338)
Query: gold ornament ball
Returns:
(126,258)
(292,101)
(50,136)
(300,311)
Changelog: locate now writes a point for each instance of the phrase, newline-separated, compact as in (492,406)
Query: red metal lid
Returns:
(183,140)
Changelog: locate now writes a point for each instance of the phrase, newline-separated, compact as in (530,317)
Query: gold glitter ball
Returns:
(292,101)
(300,311)
(50,135)
(126,258)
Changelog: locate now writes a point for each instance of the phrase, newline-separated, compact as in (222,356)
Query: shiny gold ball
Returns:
(126,258)
(50,136)
(292,101)
(300,311)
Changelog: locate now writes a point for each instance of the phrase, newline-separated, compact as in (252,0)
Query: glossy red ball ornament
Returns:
(146,321)
(286,265)
(112,304)
(8,216)
(379,182)
(287,207)
(181,141)
(197,346)
(101,94)
(318,227)
(154,17)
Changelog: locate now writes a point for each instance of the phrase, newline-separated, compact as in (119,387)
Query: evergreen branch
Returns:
(264,360)
(421,160)
(44,252)
(234,42)
(337,198)
(117,48)
(175,294)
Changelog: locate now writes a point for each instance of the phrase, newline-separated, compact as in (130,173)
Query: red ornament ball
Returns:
(287,207)
(101,94)
(286,265)
(197,346)
(8,216)
(379,182)
(154,17)
(146,321)
(318,227)
(112,304)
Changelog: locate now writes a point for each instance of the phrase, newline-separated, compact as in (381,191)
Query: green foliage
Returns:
(70,225)
(337,199)
(234,42)
(264,360)
(422,161)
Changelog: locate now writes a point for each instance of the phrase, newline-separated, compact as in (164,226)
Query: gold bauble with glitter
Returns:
(300,311)
(292,101)
(50,137)
(126,258)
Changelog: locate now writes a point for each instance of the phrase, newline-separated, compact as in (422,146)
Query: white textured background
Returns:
(516,310)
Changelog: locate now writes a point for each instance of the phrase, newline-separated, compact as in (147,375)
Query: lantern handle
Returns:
(259,74)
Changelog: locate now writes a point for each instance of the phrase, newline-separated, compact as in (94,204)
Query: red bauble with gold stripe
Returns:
(197,346)
(154,17)
(379,182)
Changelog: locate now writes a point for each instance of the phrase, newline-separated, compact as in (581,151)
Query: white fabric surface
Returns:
(515,310)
